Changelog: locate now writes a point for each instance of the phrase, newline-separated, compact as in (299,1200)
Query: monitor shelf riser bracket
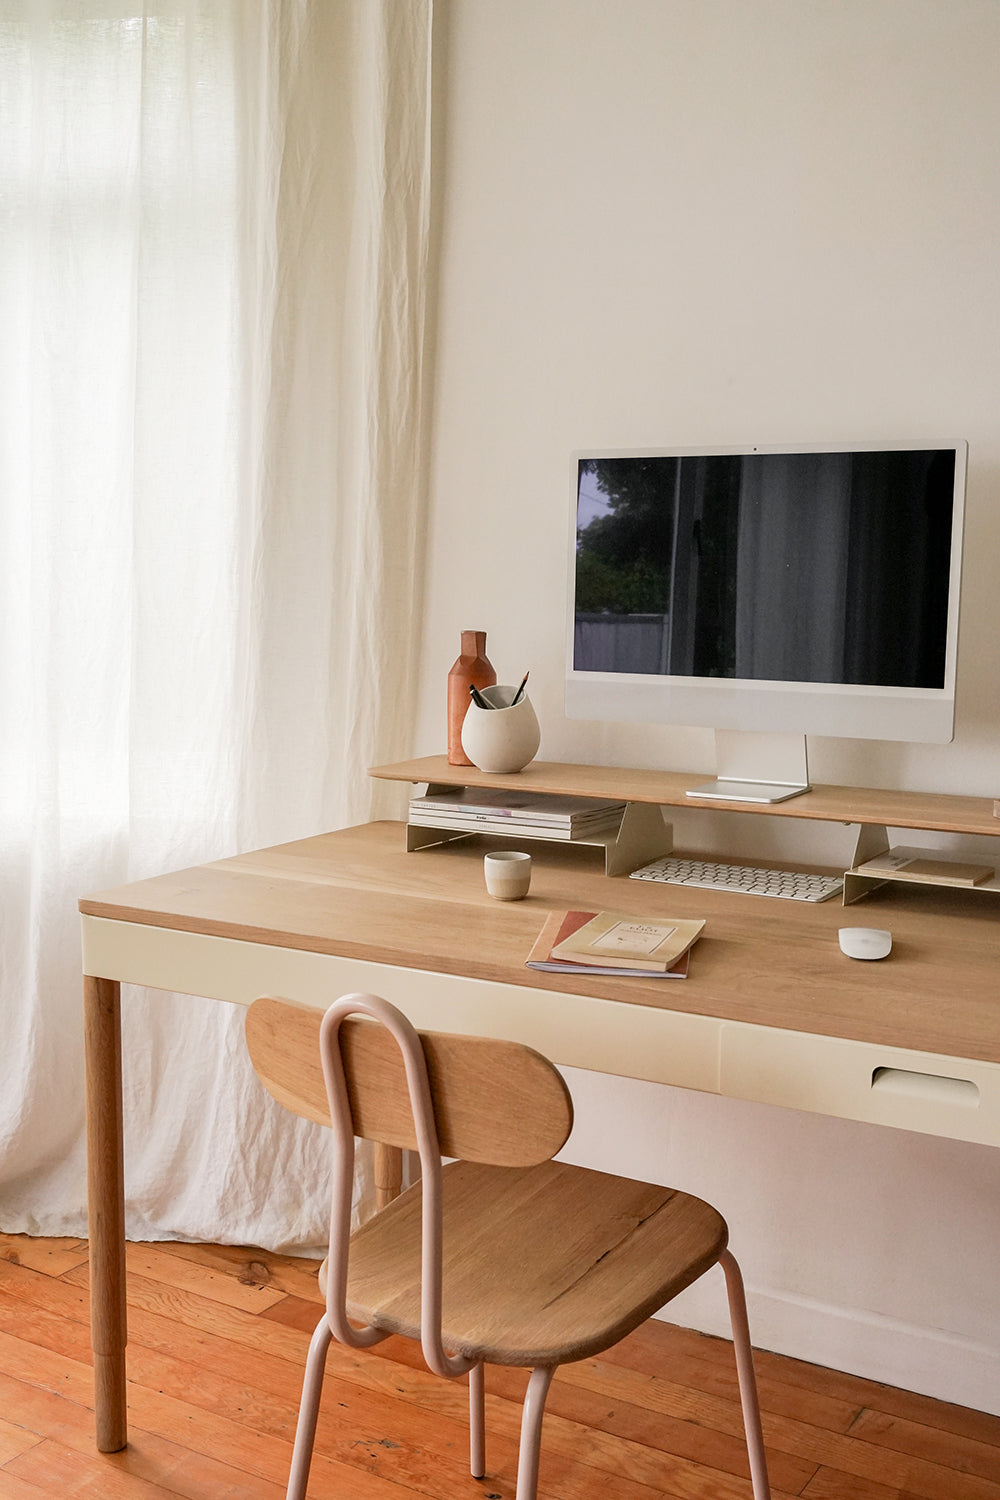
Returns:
(643,835)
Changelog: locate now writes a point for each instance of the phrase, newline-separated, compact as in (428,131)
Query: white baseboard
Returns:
(935,1363)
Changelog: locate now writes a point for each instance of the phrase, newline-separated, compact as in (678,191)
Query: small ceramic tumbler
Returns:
(502,738)
(508,874)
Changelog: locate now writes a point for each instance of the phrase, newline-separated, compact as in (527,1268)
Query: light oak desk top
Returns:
(771,1010)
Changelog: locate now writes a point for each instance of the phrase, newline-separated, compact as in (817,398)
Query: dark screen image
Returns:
(781,567)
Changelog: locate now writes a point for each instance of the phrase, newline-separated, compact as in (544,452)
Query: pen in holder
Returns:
(504,736)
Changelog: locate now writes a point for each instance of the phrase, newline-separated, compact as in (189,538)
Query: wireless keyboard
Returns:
(789,885)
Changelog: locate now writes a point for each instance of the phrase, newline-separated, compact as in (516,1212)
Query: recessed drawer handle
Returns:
(933,1087)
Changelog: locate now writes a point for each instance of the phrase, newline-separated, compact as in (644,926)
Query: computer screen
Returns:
(811,590)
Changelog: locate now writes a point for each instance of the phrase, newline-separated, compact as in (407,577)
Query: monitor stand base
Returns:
(757,768)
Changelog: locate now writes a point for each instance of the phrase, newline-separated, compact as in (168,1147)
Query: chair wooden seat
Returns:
(541,1265)
(503,1256)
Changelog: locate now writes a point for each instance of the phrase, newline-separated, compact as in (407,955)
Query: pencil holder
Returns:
(503,738)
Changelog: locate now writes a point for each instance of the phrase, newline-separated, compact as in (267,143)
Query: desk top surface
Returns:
(358,894)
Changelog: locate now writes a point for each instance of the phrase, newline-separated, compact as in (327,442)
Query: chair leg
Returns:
(477,1422)
(531,1431)
(305,1431)
(746,1377)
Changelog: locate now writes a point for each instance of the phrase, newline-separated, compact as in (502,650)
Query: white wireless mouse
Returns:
(865,942)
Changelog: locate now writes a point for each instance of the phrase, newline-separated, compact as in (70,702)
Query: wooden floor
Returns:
(217,1343)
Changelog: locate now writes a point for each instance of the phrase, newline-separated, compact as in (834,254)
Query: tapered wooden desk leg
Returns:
(106,1195)
(388,1174)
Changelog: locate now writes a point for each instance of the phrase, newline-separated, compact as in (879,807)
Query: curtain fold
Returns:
(213,261)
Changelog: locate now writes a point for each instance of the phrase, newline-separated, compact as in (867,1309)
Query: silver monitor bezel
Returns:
(923,715)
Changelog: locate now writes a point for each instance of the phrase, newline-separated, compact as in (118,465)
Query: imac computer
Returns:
(768,594)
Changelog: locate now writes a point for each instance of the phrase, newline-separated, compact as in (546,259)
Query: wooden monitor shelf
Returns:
(829,804)
(875,810)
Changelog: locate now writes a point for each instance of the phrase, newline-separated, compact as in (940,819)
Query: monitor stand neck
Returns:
(754,767)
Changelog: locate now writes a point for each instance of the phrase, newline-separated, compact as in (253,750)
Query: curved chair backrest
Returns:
(494,1101)
(498,1103)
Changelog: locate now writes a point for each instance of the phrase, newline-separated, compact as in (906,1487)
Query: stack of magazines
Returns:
(485,810)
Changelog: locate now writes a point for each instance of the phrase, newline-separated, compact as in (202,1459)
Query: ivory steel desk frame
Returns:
(772,1011)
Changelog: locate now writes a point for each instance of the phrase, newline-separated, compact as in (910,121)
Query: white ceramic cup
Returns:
(503,738)
(508,874)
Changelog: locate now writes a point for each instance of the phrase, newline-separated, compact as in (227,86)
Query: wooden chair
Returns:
(503,1256)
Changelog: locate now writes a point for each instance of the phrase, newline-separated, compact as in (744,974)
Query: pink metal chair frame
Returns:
(335,1322)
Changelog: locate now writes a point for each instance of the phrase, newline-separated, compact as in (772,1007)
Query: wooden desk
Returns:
(772,1010)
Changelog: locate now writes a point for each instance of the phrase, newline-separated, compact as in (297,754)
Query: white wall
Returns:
(703,221)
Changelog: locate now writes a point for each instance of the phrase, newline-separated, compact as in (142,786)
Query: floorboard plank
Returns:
(290,1274)
(155,1262)
(961,1454)
(706,1363)
(13,1488)
(50,1256)
(15,1439)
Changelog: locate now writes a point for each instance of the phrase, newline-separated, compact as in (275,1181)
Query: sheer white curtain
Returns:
(213,239)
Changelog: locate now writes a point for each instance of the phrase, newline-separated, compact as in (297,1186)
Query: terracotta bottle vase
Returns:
(472,669)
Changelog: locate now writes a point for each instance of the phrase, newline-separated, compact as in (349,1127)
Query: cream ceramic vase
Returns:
(503,738)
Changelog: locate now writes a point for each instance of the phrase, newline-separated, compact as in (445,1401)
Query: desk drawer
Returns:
(603,1036)
(921,1091)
